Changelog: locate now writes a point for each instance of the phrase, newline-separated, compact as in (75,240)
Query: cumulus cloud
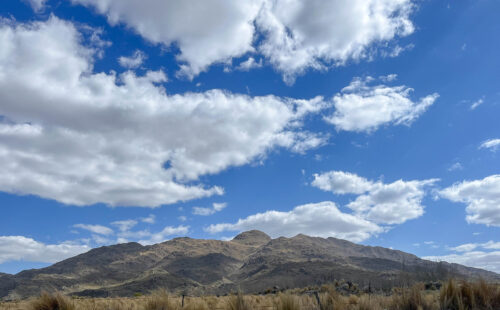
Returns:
(392,203)
(293,35)
(302,34)
(217,31)
(96,229)
(216,207)
(322,219)
(481,196)
(15,248)
(363,107)
(340,182)
(492,144)
(82,138)
(134,61)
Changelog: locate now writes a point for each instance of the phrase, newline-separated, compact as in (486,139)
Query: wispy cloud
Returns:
(492,144)
(97,229)
(476,103)
(133,61)
(216,207)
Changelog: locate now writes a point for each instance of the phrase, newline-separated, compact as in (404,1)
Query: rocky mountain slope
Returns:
(251,262)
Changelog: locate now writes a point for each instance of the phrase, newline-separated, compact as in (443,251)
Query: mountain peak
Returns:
(251,262)
(252,237)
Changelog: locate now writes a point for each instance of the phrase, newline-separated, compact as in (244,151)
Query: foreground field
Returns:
(452,295)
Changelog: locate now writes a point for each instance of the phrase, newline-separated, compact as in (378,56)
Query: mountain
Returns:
(251,262)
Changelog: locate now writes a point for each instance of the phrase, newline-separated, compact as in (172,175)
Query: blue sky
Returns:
(373,121)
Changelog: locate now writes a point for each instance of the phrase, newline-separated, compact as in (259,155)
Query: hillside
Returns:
(252,262)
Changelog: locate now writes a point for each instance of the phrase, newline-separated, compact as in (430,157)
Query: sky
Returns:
(374,121)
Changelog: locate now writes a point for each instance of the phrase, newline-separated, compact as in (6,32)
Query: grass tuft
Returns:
(48,301)
(160,301)
(238,302)
(288,302)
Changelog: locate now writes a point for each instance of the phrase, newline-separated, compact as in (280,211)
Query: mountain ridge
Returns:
(252,261)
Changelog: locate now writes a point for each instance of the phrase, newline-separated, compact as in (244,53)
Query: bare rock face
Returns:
(251,262)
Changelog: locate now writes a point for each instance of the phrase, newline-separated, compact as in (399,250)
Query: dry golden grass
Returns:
(453,295)
(48,301)
(469,295)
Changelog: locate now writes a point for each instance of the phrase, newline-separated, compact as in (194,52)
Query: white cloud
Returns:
(216,207)
(362,107)
(15,248)
(302,34)
(206,32)
(294,34)
(482,198)
(340,182)
(301,142)
(322,219)
(396,50)
(476,103)
(133,61)
(83,138)
(492,144)
(97,229)
(101,240)
(124,225)
(388,78)
(102,235)
(490,245)
(456,166)
(249,64)
(479,259)
(393,203)
(465,247)
(36,5)
(164,234)
(203,211)
(151,219)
